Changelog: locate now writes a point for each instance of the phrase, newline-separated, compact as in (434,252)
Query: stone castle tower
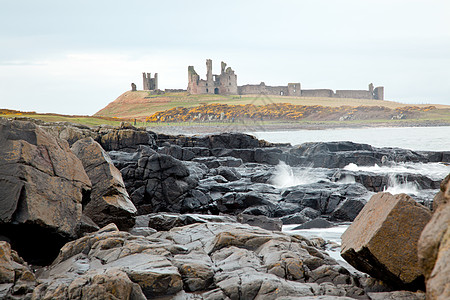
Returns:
(223,84)
(150,83)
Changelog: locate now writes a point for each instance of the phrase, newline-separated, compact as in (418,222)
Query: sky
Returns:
(75,57)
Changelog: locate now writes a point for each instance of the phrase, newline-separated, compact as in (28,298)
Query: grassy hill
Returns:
(141,104)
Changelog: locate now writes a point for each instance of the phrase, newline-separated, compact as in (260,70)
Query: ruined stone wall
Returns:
(174,90)
(317,93)
(356,94)
(252,89)
(378,93)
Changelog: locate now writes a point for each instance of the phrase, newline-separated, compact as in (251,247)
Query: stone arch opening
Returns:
(216,91)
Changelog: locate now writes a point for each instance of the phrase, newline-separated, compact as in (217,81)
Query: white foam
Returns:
(285,176)
(435,171)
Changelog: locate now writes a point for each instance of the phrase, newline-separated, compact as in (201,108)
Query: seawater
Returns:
(413,138)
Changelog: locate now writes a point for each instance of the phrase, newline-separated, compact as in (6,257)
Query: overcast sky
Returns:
(75,57)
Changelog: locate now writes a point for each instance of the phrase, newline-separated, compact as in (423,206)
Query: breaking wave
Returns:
(285,176)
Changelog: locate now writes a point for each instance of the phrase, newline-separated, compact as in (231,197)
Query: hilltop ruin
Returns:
(226,84)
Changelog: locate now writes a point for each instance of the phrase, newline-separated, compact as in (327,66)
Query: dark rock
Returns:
(229,173)
(125,139)
(159,182)
(340,154)
(297,218)
(215,162)
(86,225)
(260,221)
(316,223)
(348,209)
(232,203)
(167,221)
(322,196)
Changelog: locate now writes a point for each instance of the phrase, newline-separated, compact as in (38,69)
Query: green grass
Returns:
(85,120)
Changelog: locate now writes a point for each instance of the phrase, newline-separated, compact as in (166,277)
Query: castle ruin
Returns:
(226,84)
(223,84)
(149,82)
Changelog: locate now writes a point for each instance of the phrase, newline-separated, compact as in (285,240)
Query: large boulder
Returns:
(158,182)
(43,186)
(109,201)
(382,240)
(434,247)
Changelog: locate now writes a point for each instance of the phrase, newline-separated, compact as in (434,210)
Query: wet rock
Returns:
(322,196)
(260,221)
(109,201)
(382,241)
(348,209)
(233,203)
(297,218)
(340,154)
(167,221)
(228,173)
(177,152)
(43,186)
(158,182)
(215,162)
(316,223)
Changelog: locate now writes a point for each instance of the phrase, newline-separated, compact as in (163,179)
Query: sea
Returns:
(413,138)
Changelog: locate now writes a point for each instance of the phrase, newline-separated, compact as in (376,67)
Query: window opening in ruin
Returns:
(216,91)
(281,93)
(295,90)
(206,90)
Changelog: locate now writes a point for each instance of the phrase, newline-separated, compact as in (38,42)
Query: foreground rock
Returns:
(382,241)
(16,278)
(214,260)
(43,185)
(109,201)
(434,247)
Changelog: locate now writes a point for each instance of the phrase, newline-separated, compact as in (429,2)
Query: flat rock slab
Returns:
(382,241)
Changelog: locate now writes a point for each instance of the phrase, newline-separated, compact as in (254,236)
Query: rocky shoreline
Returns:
(125,213)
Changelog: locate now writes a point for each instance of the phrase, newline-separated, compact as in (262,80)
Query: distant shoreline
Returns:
(193,129)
